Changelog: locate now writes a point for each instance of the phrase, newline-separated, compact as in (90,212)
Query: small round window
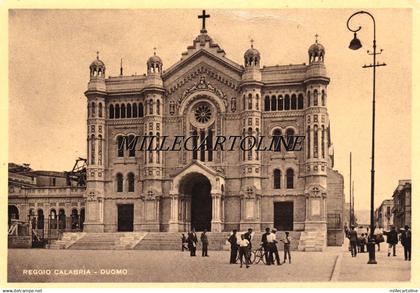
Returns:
(202,113)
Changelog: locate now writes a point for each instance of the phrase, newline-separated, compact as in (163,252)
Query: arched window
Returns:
(294,102)
(209,143)
(309,98)
(316,141)
(120,146)
(300,101)
(157,145)
(308,139)
(111,111)
(257,102)
(130,178)
(131,146)
(277,140)
(194,146)
(290,137)
(267,103)
(62,219)
(92,149)
(74,219)
(141,111)
(123,111)
(289,178)
(277,179)
(257,153)
(280,105)
(151,152)
(53,219)
(244,102)
(273,103)
(158,107)
(119,182)
(150,107)
(100,110)
(134,110)
(93,109)
(315,97)
(128,110)
(13,213)
(323,96)
(40,219)
(249,101)
(249,144)
(287,102)
(117,111)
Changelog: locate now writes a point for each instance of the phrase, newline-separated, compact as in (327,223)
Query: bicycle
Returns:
(257,255)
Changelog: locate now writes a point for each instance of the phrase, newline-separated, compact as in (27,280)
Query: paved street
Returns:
(164,266)
(393,268)
(175,266)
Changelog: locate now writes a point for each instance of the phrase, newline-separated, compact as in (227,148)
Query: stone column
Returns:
(216,223)
(173,223)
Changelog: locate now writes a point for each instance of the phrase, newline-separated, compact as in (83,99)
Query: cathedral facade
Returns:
(205,95)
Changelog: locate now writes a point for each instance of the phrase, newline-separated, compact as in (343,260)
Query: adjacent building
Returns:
(384,216)
(402,204)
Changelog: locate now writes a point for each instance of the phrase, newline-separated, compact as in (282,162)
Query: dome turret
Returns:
(154,64)
(252,56)
(316,52)
(97,67)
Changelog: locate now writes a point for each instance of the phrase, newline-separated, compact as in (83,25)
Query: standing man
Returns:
(192,242)
(233,247)
(353,241)
(243,250)
(287,242)
(406,242)
(204,243)
(265,246)
(272,242)
(392,240)
(248,236)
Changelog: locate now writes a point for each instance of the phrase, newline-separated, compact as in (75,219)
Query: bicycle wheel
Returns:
(252,256)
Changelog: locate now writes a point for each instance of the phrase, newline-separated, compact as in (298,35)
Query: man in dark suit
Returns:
(233,247)
(264,244)
(406,242)
(392,240)
(204,243)
(192,242)
(353,241)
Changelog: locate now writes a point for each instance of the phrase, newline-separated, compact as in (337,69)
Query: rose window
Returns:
(202,113)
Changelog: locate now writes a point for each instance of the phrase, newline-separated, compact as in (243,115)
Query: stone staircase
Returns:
(67,240)
(313,240)
(108,241)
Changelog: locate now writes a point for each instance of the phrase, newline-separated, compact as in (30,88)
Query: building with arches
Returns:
(206,94)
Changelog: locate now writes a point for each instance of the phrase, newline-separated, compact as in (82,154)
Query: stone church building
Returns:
(206,94)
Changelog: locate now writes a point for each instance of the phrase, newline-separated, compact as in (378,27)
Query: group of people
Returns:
(357,244)
(243,246)
(190,243)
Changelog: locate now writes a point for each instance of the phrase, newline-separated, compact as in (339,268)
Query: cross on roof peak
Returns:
(252,43)
(203,17)
(97,55)
(316,38)
(154,51)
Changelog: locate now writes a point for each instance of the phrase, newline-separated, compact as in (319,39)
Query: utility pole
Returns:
(351,207)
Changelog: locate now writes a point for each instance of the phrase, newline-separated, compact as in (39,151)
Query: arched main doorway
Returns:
(197,187)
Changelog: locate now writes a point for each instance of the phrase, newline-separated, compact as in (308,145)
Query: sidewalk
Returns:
(387,269)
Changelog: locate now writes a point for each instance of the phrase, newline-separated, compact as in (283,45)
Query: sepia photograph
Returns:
(209,145)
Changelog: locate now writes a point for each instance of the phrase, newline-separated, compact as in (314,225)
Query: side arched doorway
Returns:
(13,213)
(196,190)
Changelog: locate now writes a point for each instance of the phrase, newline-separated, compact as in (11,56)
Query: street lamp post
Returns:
(355,44)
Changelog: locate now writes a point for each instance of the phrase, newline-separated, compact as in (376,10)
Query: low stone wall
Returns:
(19,242)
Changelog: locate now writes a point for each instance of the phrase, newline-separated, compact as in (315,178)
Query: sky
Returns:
(50,52)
